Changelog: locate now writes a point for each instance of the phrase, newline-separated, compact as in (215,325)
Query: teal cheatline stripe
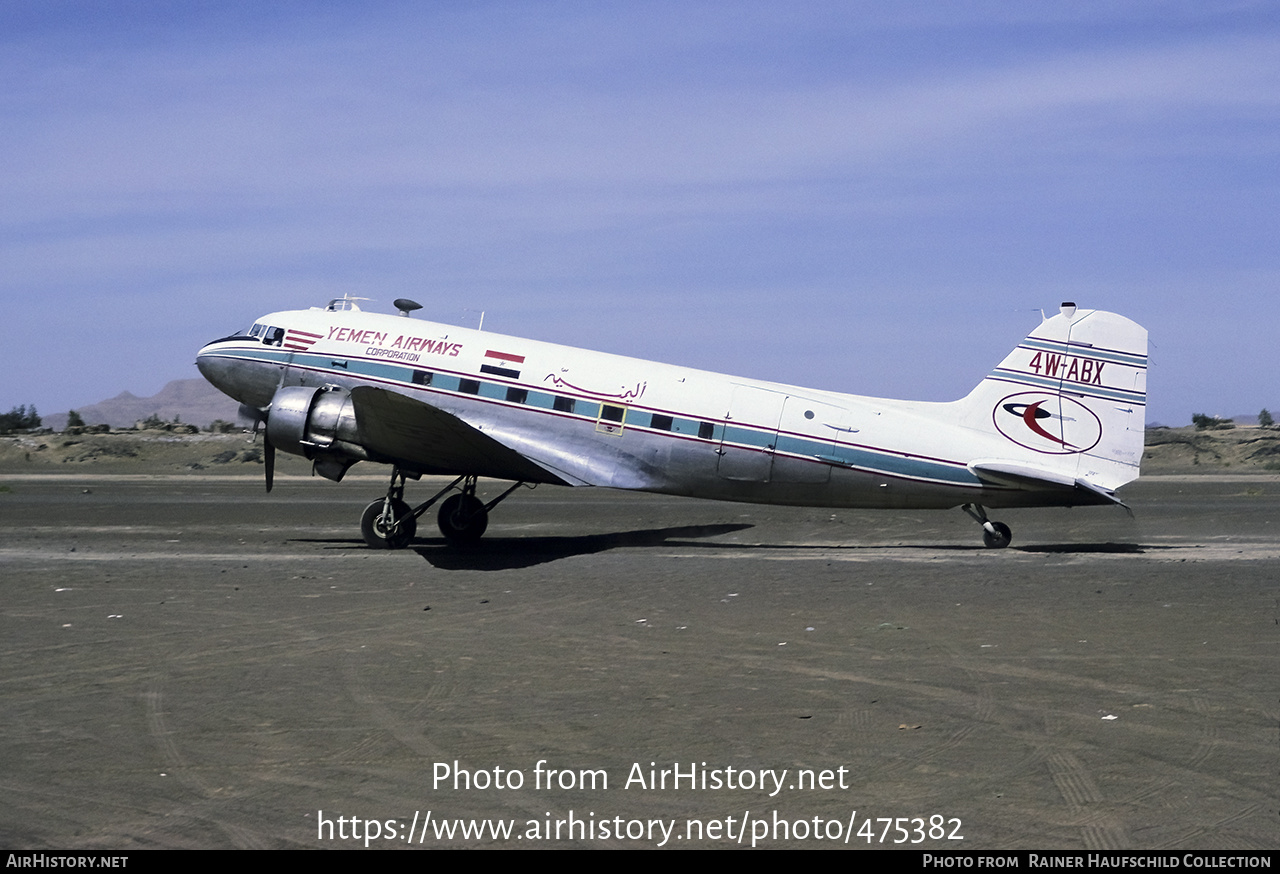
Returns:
(1080,351)
(445,382)
(493,390)
(801,446)
(1094,391)
(748,437)
(261,355)
(844,456)
(848,456)
(439,381)
(913,468)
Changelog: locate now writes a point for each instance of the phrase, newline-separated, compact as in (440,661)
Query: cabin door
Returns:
(750,434)
(807,435)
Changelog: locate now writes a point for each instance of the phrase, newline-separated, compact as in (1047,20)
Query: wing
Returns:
(429,440)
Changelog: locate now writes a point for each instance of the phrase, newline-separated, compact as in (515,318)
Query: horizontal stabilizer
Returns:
(1103,493)
(1019,475)
(1031,478)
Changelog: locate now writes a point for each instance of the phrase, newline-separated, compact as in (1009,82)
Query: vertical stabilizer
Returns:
(1071,399)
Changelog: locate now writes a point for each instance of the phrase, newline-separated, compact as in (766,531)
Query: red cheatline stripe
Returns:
(505,356)
(298,333)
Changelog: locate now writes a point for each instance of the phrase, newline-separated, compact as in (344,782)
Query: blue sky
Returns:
(872,197)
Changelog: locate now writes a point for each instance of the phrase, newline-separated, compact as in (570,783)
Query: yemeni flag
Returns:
(502,364)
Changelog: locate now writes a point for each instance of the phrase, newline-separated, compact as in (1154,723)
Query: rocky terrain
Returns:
(160,451)
(1248,449)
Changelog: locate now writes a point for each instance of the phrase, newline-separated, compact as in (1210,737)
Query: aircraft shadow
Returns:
(1059,548)
(508,553)
(1132,548)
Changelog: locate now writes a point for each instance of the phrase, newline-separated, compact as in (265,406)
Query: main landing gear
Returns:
(996,535)
(389,523)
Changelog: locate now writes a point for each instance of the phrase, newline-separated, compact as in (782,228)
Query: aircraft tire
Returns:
(376,532)
(1000,539)
(463,519)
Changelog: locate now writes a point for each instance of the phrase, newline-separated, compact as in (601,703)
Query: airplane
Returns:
(1059,422)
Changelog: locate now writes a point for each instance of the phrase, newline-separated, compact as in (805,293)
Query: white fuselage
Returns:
(591,418)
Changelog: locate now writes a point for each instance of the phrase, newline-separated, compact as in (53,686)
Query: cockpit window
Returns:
(273,336)
(256,330)
(250,334)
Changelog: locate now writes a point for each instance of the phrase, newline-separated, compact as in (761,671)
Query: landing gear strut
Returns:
(463,518)
(389,523)
(996,535)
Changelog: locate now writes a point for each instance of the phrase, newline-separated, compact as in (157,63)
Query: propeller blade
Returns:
(269,460)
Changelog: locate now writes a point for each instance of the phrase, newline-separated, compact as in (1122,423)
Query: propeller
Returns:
(259,417)
(269,460)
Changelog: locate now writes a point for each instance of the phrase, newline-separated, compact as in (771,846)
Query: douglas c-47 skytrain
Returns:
(1058,423)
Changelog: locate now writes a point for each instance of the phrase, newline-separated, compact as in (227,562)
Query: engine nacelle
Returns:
(319,424)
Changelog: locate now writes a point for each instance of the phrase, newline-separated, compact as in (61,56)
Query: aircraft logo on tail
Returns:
(1047,423)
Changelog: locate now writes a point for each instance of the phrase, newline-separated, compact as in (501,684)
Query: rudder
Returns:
(1071,398)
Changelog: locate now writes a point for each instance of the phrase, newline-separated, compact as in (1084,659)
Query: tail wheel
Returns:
(463,519)
(381,531)
(998,539)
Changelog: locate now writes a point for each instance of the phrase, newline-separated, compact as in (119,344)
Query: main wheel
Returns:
(462,519)
(1000,539)
(381,532)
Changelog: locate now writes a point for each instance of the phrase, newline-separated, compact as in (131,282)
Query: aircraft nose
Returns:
(234,371)
(205,359)
(212,367)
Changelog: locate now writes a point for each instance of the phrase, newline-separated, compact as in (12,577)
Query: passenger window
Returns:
(660,423)
(610,413)
(422,377)
(706,430)
(470,386)
(517,395)
(563,404)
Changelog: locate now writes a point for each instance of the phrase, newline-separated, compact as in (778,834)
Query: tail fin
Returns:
(1069,404)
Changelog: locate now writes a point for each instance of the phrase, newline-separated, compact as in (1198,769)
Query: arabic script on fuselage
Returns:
(627,394)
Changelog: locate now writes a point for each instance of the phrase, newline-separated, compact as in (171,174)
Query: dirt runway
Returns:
(188,662)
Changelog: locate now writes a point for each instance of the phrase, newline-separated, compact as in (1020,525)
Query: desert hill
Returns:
(190,400)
